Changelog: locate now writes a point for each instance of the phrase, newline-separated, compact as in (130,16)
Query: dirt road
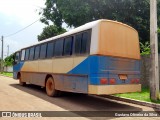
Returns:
(14,97)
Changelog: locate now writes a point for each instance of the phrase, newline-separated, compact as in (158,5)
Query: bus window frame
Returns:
(53,42)
(62,38)
(89,31)
(30,52)
(71,54)
(35,51)
(18,60)
(24,55)
(45,51)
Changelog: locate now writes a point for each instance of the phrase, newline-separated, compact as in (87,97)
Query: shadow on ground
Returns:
(78,102)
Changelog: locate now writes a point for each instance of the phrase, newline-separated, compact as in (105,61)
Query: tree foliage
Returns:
(50,31)
(8,61)
(145,48)
(77,12)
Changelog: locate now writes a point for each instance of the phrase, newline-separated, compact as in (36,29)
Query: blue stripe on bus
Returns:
(97,67)
(17,68)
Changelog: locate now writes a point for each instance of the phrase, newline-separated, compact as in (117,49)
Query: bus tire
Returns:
(50,88)
(20,81)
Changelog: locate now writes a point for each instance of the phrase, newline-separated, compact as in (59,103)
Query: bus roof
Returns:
(84,27)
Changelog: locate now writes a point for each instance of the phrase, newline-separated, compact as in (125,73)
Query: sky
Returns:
(16,15)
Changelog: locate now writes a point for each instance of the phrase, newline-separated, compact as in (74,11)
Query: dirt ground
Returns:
(14,97)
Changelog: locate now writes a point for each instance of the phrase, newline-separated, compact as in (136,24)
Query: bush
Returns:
(145,48)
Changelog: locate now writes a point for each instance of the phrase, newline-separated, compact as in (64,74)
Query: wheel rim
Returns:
(50,86)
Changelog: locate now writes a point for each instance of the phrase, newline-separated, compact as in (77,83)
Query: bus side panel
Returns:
(34,78)
(77,78)
(71,83)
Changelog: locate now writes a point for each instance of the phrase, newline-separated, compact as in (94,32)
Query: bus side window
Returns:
(22,55)
(27,54)
(58,51)
(17,57)
(36,54)
(78,39)
(50,48)
(68,46)
(81,43)
(43,51)
(84,43)
(31,55)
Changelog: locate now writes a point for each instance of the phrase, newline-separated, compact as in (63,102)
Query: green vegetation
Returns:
(8,61)
(78,12)
(145,48)
(74,13)
(50,31)
(9,74)
(158,30)
(144,95)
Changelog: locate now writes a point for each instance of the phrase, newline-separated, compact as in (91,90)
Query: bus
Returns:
(100,58)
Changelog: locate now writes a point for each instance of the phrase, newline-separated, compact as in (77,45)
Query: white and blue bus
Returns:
(101,57)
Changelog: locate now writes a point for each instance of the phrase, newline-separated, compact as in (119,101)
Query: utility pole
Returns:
(2,57)
(154,78)
(7,50)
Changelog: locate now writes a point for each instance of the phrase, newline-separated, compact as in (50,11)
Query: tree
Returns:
(8,61)
(78,12)
(50,31)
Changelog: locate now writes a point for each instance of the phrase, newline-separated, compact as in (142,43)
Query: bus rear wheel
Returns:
(20,81)
(50,88)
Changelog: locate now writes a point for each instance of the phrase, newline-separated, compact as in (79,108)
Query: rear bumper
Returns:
(113,89)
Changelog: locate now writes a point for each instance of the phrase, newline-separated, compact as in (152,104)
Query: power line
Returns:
(21,29)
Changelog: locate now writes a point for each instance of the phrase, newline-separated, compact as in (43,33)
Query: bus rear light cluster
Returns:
(137,80)
(112,81)
(134,81)
(103,81)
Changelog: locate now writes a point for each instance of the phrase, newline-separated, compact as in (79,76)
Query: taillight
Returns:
(112,81)
(134,81)
(103,81)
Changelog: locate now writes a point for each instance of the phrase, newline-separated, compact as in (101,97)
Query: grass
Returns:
(9,74)
(144,95)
